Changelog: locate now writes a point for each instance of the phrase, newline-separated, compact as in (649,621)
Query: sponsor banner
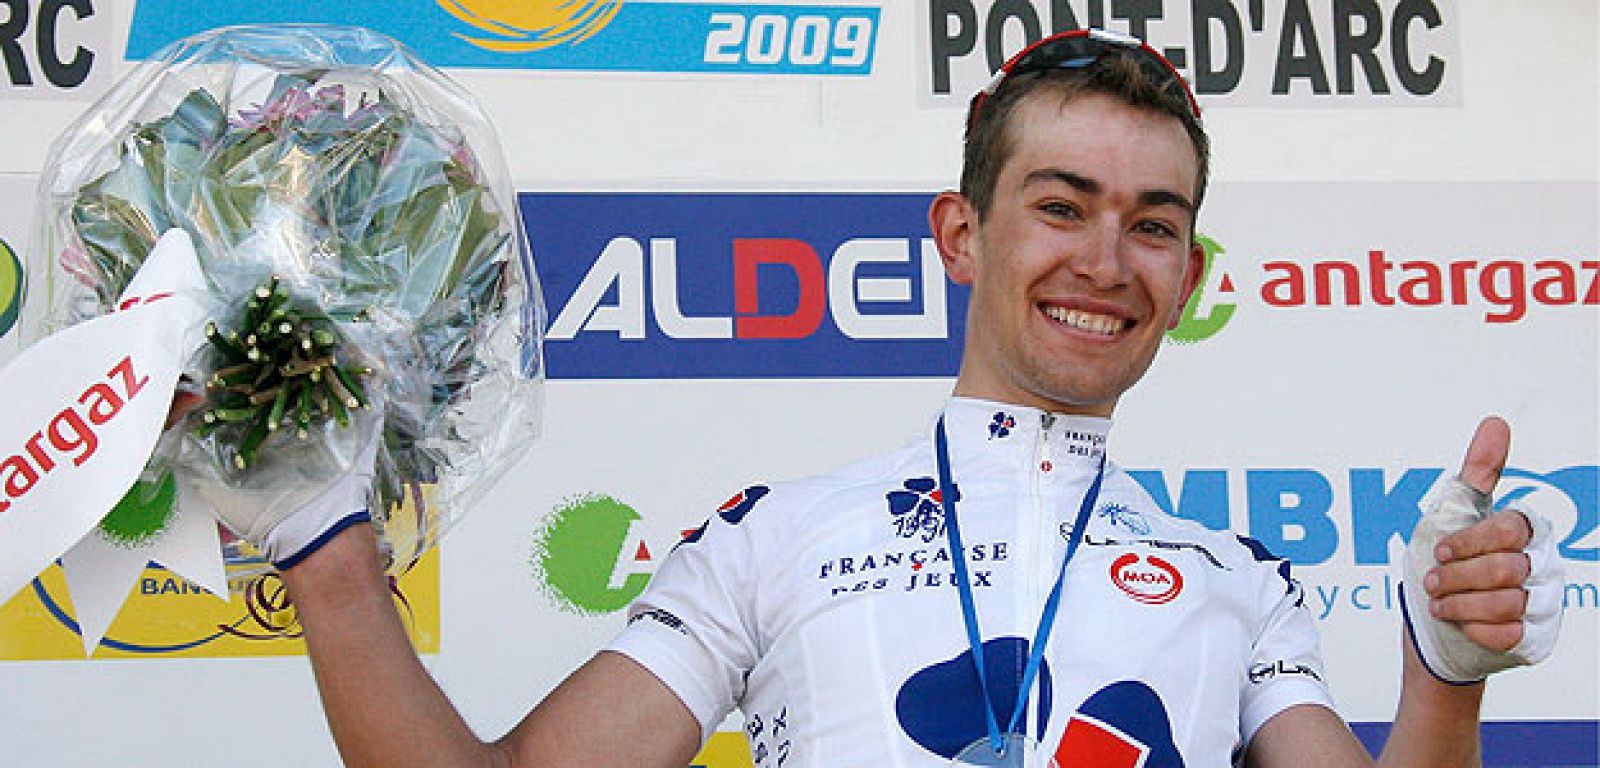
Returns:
(55,49)
(166,617)
(1355,515)
(1375,53)
(850,285)
(589,35)
(743,285)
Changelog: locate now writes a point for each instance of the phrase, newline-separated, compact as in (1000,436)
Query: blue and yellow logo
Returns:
(754,38)
(530,26)
(10,287)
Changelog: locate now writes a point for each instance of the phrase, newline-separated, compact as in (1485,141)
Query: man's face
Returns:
(1085,258)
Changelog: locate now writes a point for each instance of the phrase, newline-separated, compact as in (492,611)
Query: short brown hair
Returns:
(988,143)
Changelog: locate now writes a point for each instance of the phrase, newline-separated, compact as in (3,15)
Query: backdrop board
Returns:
(726,203)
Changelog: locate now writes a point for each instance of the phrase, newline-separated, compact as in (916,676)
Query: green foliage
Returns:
(369,208)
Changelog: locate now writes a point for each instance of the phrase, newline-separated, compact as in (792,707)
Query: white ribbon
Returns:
(85,407)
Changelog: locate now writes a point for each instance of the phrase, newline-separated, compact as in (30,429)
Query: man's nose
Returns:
(1098,259)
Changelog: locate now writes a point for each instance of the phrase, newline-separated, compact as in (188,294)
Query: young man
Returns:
(996,592)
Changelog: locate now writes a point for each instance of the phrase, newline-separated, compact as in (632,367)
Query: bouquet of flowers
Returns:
(364,254)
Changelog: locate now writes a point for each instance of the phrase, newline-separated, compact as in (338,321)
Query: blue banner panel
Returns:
(587,35)
(743,286)
(1518,743)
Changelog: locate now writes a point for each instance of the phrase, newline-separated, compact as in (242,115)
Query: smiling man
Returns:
(996,592)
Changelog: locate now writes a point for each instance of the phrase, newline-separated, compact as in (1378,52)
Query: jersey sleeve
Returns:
(1285,660)
(694,627)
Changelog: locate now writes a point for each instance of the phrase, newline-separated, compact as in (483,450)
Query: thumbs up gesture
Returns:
(1482,589)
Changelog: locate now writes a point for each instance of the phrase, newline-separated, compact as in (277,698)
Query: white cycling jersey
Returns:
(824,609)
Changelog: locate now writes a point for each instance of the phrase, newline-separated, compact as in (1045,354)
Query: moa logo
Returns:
(518,26)
(1149,580)
(10,288)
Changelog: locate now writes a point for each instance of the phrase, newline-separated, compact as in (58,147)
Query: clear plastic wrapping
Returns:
(364,250)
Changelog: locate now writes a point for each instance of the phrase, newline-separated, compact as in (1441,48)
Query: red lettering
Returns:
(106,402)
(82,436)
(748,255)
(1286,291)
(1513,299)
(1380,276)
(1560,288)
(1592,297)
(1458,281)
(1426,290)
(38,453)
(130,384)
(20,470)
(1350,277)
(133,301)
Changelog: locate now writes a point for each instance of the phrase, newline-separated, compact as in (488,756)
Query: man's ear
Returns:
(953,221)
(1196,269)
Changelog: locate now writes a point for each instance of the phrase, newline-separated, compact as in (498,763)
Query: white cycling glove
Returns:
(1444,649)
(292,509)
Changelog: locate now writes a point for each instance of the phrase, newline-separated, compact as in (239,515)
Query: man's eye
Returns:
(1156,228)
(1058,208)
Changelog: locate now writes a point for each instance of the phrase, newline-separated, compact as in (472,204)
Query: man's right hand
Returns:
(288,526)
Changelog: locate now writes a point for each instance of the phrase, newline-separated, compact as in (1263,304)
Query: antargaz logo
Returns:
(588,559)
(10,287)
(1211,306)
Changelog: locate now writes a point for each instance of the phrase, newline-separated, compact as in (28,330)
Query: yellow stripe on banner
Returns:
(725,749)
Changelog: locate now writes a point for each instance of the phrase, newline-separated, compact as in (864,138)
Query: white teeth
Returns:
(1085,321)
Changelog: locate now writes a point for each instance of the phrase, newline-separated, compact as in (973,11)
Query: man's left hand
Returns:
(1478,583)
(1483,588)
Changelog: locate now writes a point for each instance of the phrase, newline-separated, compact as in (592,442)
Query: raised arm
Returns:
(1481,586)
(385,710)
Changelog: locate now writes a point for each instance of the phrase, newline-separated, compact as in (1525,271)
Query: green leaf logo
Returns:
(10,287)
(1211,306)
(587,559)
(142,514)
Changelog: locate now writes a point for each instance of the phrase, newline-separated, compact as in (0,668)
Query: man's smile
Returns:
(1103,324)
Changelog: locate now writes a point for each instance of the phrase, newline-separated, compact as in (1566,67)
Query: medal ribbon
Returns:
(969,613)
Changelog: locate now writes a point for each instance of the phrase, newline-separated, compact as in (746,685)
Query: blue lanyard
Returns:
(969,613)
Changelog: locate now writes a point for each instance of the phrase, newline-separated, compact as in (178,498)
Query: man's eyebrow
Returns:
(1149,197)
(1152,197)
(1081,183)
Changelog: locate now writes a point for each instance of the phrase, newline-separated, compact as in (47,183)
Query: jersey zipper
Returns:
(1041,547)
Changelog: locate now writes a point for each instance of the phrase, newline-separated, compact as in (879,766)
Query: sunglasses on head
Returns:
(1081,48)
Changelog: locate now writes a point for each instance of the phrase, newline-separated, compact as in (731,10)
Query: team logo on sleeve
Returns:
(918,508)
(1150,580)
(732,511)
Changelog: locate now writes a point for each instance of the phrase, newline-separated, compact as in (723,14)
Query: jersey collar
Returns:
(1013,432)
